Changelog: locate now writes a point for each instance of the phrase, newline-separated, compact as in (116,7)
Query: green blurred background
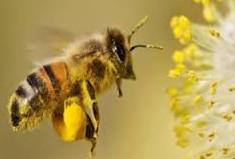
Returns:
(139,125)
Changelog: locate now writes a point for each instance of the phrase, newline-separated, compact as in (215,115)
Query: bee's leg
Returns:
(91,135)
(89,102)
(119,83)
(91,132)
(97,115)
(92,111)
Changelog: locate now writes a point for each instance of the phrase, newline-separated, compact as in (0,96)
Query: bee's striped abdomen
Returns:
(38,95)
(26,102)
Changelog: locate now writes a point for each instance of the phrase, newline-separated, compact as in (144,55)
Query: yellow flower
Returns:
(182,28)
(203,100)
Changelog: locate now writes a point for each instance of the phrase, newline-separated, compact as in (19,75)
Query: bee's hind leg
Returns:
(92,110)
(91,132)
(90,103)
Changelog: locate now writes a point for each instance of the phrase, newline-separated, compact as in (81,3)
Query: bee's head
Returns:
(120,48)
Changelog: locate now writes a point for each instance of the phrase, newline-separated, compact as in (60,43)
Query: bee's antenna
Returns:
(137,27)
(146,46)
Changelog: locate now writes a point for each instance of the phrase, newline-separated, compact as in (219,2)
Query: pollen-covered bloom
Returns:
(203,99)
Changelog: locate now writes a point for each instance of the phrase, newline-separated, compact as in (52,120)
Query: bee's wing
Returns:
(48,43)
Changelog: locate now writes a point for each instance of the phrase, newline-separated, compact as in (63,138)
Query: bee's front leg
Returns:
(119,83)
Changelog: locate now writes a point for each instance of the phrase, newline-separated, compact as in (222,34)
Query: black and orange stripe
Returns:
(40,88)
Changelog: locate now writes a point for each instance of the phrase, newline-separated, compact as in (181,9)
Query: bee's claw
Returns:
(91,155)
(120,93)
(93,145)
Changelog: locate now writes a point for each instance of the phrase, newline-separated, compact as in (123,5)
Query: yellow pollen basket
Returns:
(74,119)
(72,125)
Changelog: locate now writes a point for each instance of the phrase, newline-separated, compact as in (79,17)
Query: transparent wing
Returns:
(48,43)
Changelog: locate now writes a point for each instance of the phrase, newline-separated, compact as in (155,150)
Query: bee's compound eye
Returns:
(118,49)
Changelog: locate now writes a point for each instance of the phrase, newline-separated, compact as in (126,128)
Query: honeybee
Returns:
(66,88)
